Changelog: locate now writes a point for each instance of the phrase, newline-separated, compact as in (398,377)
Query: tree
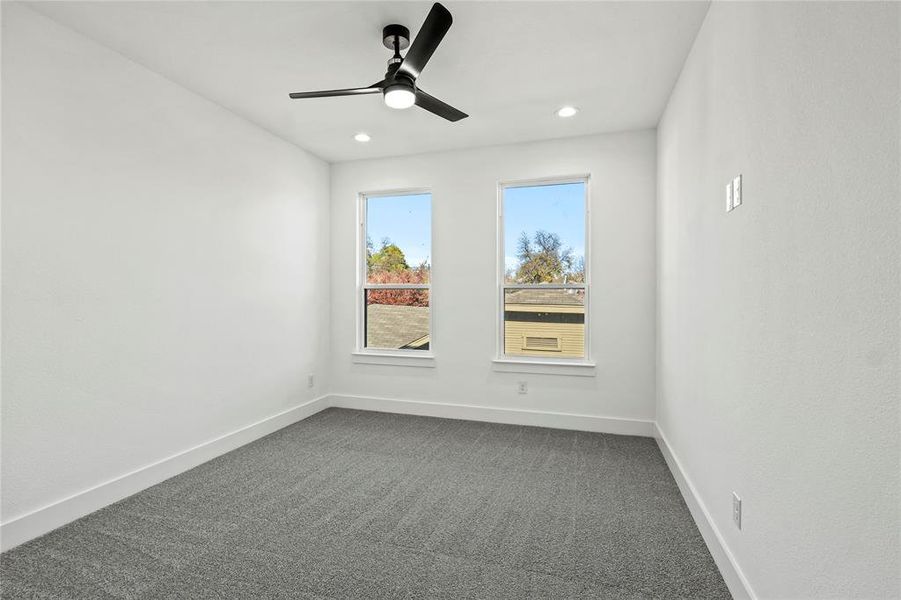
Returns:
(543,259)
(577,272)
(419,274)
(389,265)
(389,258)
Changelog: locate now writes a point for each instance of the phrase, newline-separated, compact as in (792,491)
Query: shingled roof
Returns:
(568,297)
(394,326)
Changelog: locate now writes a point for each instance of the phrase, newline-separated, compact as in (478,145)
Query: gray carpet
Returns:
(353,504)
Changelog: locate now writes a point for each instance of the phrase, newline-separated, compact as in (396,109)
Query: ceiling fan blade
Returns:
(375,88)
(430,35)
(436,106)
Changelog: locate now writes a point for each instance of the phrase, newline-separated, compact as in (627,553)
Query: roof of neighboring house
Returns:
(568,297)
(395,326)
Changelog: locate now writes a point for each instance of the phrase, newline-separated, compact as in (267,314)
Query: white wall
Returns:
(464,205)
(779,322)
(163,267)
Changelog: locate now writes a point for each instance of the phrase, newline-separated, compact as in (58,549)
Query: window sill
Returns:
(395,359)
(543,367)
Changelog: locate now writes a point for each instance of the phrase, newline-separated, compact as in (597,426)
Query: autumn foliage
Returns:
(401,297)
(388,265)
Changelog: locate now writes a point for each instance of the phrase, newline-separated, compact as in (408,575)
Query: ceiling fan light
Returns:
(399,96)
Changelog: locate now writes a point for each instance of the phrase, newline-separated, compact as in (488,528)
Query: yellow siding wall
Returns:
(572,338)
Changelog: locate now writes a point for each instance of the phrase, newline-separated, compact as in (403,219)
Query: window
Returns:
(395,273)
(543,269)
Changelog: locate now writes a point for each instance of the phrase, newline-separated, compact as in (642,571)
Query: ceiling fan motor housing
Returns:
(400,83)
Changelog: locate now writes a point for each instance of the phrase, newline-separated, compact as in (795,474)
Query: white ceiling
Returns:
(509,65)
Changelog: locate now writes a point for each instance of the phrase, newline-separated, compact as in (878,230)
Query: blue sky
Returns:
(558,208)
(406,220)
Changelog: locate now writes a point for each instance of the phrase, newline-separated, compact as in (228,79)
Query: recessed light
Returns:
(362,137)
(567,111)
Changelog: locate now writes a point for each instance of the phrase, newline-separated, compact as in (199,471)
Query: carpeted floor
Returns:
(353,504)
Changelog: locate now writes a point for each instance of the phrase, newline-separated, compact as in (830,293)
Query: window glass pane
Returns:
(544,322)
(398,238)
(544,233)
(397,319)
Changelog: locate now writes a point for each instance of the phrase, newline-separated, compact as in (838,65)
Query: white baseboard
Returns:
(494,414)
(716,543)
(38,522)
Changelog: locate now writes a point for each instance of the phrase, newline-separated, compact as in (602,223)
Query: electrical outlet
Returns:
(736,510)
(729,199)
(736,191)
(522,387)
(311,380)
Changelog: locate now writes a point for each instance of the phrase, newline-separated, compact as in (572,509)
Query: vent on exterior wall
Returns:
(548,344)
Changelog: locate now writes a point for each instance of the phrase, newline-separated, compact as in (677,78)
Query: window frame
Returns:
(404,356)
(502,358)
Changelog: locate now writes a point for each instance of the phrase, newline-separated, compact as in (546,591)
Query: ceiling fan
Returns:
(399,85)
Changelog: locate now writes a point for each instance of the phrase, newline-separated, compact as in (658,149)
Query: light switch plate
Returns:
(729,200)
(736,192)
